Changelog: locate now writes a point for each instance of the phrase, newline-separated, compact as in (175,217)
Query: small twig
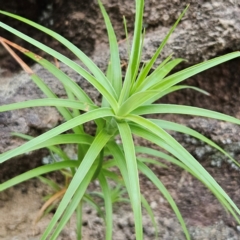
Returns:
(48,203)
(24,66)
(56,63)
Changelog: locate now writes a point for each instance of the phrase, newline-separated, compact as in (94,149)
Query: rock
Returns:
(208,28)
(218,131)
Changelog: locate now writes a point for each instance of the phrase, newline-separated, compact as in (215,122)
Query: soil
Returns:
(204,216)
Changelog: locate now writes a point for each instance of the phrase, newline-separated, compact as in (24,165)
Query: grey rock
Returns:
(208,27)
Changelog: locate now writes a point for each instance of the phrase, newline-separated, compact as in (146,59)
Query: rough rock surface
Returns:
(207,29)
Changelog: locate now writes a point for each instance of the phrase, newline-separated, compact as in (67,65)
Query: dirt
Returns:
(204,216)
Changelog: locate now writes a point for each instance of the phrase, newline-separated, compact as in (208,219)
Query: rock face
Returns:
(207,29)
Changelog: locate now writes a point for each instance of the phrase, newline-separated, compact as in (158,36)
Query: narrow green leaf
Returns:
(52,184)
(173,89)
(84,58)
(127,36)
(50,94)
(89,116)
(148,173)
(112,175)
(115,65)
(135,55)
(71,96)
(117,193)
(79,215)
(118,155)
(126,86)
(155,139)
(136,45)
(101,83)
(134,187)
(142,132)
(81,174)
(143,74)
(191,71)
(149,65)
(186,158)
(180,87)
(134,101)
(187,110)
(137,67)
(151,161)
(186,130)
(81,149)
(151,137)
(108,205)
(88,199)
(151,215)
(73,204)
(52,102)
(158,74)
(37,172)
(63,78)
(83,139)
(109,164)
(52,149)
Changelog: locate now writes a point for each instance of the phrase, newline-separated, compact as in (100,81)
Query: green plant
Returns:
(120,114)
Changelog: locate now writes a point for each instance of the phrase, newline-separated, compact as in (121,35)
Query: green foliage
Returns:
(124,102)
